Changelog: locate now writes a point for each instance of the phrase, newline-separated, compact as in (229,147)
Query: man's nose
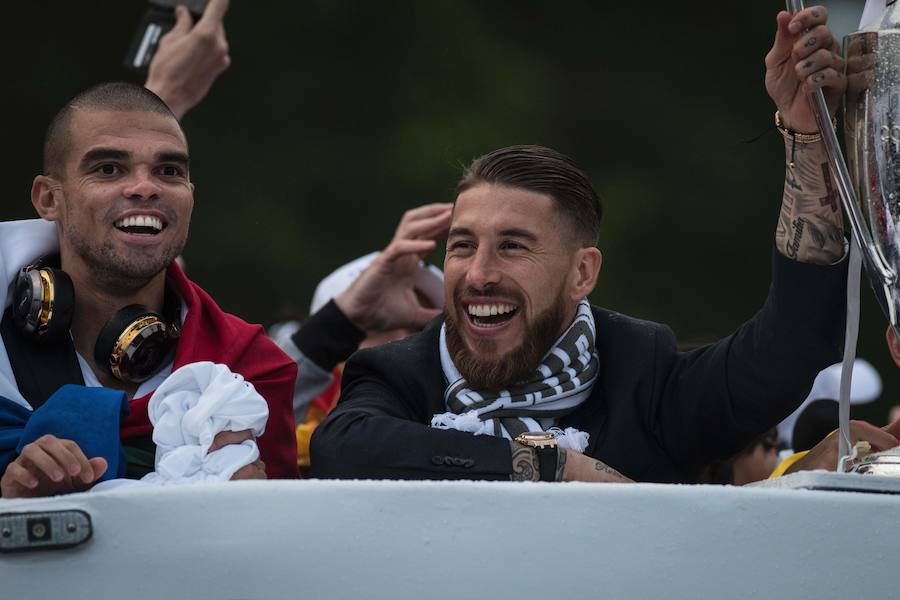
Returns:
(484,269)
(141,186)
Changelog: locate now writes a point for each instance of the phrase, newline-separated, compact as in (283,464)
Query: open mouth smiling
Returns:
(490,315)
(141,225)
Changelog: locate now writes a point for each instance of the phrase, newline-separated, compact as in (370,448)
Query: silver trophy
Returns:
(872,139)
(869,189)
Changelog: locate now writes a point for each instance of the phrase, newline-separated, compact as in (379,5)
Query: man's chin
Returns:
(490,370)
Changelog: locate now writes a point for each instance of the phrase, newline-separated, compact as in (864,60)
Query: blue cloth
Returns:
(89,416)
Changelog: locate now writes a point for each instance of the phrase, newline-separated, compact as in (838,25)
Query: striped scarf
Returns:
(560,383)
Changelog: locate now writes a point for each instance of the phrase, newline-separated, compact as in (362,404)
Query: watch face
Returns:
(537,438)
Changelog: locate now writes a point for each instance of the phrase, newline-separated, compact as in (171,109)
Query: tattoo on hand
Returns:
(810,42)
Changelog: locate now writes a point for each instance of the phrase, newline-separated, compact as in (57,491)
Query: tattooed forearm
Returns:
(560,463)
(810,227)
(608,470)
(525,463)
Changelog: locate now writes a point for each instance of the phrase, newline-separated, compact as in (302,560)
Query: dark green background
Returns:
(337,116)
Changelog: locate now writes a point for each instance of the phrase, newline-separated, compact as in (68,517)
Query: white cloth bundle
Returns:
(188,409)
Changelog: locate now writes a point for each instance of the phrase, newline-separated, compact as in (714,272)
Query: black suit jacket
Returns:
(655,414)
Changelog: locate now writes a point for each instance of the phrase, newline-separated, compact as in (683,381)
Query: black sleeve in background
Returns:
(328,337)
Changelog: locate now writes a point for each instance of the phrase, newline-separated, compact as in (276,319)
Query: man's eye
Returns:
(170,171)
(461,246)
(108,169)
(512,246)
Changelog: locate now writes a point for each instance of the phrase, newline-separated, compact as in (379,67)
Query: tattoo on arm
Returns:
(560,463)
(816,234)
(604,468)
(810,227)
(525,463)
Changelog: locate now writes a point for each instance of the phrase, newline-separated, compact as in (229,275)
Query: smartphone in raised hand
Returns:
(156,22)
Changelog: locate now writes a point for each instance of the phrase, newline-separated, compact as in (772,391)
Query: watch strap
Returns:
(547,459)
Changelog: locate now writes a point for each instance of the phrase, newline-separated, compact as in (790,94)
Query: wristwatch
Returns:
(544,445)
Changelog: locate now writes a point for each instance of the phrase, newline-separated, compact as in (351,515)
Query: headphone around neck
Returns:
(133,345)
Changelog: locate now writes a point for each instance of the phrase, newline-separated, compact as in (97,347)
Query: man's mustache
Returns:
(489,292)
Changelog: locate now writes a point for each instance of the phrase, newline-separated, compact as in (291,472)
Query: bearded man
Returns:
(524,380)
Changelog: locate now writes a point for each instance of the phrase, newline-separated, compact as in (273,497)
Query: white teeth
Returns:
(487,310)
(140,221)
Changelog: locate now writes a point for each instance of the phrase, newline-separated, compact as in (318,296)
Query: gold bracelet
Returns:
(796,136)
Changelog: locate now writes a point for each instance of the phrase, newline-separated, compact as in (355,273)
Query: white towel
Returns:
(188,409)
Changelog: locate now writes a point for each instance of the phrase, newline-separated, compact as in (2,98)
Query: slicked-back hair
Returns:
(546,171)
(118,96)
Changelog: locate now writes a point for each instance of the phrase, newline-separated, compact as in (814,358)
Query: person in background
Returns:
(824,455)
(865,388)
(328,338)
(753,463)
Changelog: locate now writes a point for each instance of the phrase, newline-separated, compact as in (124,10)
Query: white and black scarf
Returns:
(560,383)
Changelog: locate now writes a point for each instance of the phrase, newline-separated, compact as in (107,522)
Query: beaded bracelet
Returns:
(796,136)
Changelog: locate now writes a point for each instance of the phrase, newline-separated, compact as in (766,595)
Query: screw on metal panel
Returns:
(71,527)
(6,532)
(39,530)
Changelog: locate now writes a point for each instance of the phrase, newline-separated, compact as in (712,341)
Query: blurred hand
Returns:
(190,58)
(825,454)
(255,470)
(224,438)
(49,466)
(803,59)
(383,297)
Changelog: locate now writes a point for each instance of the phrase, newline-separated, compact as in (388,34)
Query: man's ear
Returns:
(46,196)
(586,269)
(893,344)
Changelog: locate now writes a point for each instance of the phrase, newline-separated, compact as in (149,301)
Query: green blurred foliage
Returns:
(337,116)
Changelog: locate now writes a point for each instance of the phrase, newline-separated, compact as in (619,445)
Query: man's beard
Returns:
(114,273)
(519,364)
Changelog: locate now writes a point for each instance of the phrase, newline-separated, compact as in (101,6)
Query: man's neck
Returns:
(95,306)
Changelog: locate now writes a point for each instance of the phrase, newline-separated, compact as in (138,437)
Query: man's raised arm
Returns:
(803,59)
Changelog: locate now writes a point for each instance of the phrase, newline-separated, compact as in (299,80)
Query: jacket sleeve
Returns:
(711,402)
(379,430)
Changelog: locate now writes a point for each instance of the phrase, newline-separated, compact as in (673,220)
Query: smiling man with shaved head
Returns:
(523,379)
(96,299)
